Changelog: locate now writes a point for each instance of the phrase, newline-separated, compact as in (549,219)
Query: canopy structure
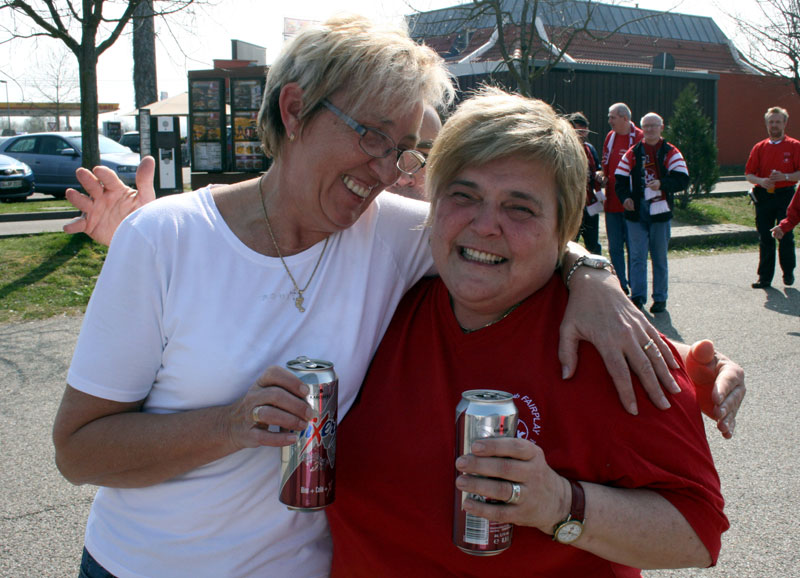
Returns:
(177,105)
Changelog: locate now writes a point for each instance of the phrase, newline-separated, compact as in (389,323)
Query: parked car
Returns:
(131,140)
(16,179)
(54,157)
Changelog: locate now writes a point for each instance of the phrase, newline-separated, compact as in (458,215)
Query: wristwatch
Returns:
(570,529)
(593,261)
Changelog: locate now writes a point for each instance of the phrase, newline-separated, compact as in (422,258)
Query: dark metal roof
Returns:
(559,13)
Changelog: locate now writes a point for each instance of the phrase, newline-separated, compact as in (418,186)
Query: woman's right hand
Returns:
(276,399)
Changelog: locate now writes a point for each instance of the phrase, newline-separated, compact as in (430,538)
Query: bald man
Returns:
(413,186)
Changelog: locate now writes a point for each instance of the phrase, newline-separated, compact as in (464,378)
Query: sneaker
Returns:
(638,302)
(760,285)
(788,279)
(658,307)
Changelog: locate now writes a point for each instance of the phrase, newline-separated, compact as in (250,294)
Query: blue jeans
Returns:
(617,233)
(647,236)
(90,568)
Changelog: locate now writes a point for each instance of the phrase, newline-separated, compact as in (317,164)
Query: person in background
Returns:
(413,186)
(791,220)
(774,168)
(590,227)
(177,386)
(647,178)
(622,136)
(507,183)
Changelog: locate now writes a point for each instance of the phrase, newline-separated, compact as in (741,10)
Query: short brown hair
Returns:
(776,110)
(494,124)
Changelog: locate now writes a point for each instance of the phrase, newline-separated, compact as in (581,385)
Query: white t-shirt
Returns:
(187,316)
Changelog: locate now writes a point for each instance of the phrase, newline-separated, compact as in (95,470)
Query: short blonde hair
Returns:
(776,110)
(372,64)
(494,124)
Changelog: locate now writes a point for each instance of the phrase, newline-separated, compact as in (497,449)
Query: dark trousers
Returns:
(590,231)
(770,210)
(90,568)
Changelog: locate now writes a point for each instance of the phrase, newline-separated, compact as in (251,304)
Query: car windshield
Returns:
(106,145)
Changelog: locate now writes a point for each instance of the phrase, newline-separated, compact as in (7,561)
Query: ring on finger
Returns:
(254,414)
(648,345)
(516,489)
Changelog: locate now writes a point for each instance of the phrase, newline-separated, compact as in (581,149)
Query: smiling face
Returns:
(331,172)
(494,236)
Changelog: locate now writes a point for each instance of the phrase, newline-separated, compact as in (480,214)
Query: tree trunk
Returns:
(87,69)
(144,55)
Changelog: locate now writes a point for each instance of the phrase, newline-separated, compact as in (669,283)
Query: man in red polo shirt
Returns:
(774,168)
(623,135)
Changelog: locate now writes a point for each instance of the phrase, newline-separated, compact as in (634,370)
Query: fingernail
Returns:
(304,389)
(564,371)
(478,446)
(309,413)
(632,409)
(663,403)
(461,462)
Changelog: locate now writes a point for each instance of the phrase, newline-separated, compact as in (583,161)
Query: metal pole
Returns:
(8,106)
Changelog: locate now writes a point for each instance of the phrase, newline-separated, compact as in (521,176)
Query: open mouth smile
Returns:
(355,188)
(481,256)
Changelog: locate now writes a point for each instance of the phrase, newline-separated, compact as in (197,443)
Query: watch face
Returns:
(597,262)
(569,532)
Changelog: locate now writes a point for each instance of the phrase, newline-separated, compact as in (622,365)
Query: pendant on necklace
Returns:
(298,302)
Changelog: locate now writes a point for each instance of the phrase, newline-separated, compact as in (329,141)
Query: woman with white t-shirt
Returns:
(178,372)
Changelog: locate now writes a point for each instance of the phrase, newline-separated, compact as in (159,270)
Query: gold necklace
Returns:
(506,314)
(298,302)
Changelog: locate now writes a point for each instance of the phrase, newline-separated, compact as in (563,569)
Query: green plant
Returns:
(691,131)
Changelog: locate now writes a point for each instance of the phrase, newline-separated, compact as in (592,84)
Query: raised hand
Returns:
(108,200)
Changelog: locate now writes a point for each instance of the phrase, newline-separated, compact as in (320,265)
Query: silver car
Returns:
(54,157)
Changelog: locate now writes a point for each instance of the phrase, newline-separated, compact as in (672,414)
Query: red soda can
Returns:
(308,466)
(481,413)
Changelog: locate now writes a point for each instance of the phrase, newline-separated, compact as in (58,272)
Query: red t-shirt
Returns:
(783,157)
(395,449)
(614,148)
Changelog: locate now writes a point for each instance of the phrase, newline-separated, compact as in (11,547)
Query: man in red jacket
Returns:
(774,168)
(623,135)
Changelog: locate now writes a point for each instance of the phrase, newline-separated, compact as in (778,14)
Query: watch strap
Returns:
(577,510)
(581,261)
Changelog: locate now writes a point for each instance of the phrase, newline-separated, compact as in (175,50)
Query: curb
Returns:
(40,216)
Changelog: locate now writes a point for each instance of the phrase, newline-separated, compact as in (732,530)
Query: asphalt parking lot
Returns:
(42,516)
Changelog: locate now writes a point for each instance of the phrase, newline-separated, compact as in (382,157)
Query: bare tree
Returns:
(87,29)
(529,50)
(145,85)
(773,39)
(57,81)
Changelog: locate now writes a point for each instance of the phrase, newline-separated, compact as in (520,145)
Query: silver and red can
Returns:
(308,466)
(481,413)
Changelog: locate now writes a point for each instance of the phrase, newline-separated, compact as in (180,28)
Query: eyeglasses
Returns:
(379,145)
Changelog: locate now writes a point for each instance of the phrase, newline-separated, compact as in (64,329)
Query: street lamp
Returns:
(8,106)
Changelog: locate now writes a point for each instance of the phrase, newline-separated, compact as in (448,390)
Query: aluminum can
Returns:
(308,467)
(481,413)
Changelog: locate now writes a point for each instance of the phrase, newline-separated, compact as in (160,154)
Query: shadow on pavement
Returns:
(786,302)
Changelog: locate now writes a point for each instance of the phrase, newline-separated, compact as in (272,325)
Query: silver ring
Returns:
(515,492)
(648,345)
(254,414)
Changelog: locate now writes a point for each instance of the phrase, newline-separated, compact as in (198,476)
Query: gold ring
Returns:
(648,345)
(254,414)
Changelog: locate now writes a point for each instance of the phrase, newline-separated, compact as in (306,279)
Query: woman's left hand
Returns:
(599,312)
(544,497)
